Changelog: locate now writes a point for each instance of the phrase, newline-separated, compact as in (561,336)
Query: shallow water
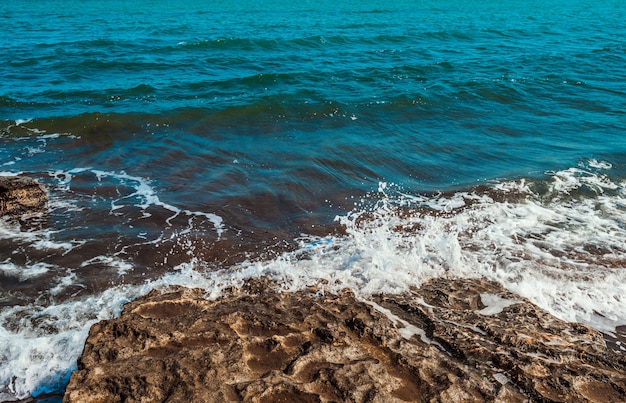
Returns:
(373,145)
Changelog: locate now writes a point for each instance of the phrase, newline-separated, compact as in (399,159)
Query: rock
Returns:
(450,340)
(20,195)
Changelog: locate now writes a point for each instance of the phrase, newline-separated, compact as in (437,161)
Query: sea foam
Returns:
(559,246)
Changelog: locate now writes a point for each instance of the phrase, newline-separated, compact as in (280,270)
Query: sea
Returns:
(369,144)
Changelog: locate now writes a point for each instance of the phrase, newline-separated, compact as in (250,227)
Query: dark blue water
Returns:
(216,132)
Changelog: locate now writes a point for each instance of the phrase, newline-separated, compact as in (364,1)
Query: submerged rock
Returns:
(21,195)
(451,341)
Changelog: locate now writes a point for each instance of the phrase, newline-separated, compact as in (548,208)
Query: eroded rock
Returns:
(451,341)
(21,195)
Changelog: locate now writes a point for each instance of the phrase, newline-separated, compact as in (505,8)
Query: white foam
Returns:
(47,244)
(564,253)
(41,136)
(38,356)
(10,173)
(495,304)
(406,329)
(575,178)
(145,196)
(114,262)
(593,163)
(33,143)
(64,178)
(24,272)
(39,345)
(132,192)
(42,239)
(70,279)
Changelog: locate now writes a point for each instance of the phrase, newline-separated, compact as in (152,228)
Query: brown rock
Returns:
(20,195)
(451,341)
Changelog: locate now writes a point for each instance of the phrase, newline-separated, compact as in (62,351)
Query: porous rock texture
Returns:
(449,341)
(20,195)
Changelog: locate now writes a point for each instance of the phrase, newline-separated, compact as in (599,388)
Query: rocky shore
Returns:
(452,340)
(20,196)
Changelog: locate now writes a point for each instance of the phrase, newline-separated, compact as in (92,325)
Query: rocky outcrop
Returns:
(21,195)
(450,341)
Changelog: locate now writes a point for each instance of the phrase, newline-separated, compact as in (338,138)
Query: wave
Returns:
(558,241)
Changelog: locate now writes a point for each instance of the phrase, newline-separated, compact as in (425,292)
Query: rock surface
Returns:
(21,195)
(449,341)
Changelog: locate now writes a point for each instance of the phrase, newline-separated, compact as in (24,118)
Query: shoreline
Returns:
(258,343)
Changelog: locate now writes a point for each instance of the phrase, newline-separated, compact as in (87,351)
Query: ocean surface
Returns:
(373,144)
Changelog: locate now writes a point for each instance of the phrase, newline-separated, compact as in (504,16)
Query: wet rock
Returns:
(451,341)
(20,196)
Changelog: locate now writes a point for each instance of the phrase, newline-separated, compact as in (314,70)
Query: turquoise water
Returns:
(441,93)
(213,133)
